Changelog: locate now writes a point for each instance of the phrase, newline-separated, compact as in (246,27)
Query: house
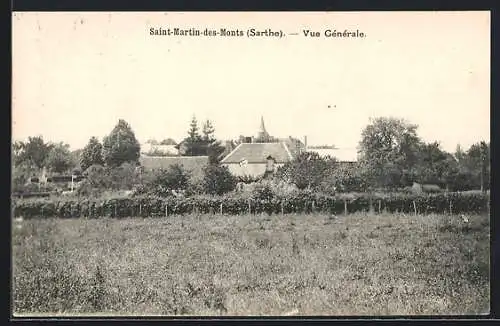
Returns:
(257,159)
(193,164)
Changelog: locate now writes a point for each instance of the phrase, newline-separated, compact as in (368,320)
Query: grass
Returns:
(252,265)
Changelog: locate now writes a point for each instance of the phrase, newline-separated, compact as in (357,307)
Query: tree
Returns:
(168,141)
(33,152)
(434,165)
(344,178)
(478,162)
(194,144)
(389,151)
(120,145)
(307,170)
(91,154)
(218,180)
(214,150)
(59,158)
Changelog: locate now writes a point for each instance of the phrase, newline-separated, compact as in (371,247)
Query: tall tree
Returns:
(389,151)
(194,142)
(214,149)
(478,162)
(91,154)
(59,158)
(120,145)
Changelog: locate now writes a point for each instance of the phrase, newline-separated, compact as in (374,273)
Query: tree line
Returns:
(391,156)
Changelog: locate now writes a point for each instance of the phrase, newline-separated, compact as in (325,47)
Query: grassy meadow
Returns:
(359,264)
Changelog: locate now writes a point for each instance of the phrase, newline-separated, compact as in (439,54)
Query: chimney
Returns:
(305,143)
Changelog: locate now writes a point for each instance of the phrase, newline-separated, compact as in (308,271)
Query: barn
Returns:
(254,159)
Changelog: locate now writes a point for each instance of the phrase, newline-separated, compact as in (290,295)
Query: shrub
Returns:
(174,178)
(218,180)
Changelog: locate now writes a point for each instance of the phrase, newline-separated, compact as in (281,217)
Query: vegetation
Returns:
(121,146)
(253,265)
(263,199)
(92,154)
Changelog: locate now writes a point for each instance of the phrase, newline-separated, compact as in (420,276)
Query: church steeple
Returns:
(262,129)
(262,136)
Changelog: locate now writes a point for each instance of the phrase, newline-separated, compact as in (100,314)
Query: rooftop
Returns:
(258,153)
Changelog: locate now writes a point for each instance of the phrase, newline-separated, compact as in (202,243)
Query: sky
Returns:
(75,74)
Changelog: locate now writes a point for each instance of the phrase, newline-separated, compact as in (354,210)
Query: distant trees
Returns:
(120,145)
(33,152)
(91,154)
(59,158)
(205,144)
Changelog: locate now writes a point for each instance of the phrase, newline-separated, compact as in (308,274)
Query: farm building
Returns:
(254,159)
(192,164)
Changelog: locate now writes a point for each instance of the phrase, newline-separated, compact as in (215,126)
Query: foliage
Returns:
(218,180)
(32,152)
(344,178)
(92,154)
(205,144)
(263,200)
(214,150)
(388,148)
(307,170)
(59,158)
(165,181)
(120,145)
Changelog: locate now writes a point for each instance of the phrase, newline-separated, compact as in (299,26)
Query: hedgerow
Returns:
(300,202)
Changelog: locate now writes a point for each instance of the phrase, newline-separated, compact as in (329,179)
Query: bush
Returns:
(218,180)
(165,181)
(262,200)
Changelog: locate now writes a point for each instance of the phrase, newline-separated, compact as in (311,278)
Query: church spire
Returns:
(262,129)
(262,136)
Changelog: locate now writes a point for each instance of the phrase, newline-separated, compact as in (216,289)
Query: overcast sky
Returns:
(76,74)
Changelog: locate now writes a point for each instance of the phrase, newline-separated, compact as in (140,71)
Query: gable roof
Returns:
(258,153)
(193,164)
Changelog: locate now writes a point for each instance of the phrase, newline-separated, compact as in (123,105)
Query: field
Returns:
(359,264)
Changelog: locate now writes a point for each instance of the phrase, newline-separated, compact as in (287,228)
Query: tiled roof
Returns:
(258,153)
(193,164)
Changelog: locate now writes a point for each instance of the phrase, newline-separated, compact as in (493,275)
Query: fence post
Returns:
(345,206)
(220,208)
(379,206)
(140,209)
(282,211)
(115,211)
(415,207)
(249,207)
(166,210)
(42,211)
(313,206)
(451,211)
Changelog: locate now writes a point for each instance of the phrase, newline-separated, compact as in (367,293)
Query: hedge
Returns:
(300,203)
